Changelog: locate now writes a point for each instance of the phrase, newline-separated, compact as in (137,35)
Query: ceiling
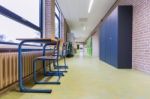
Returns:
(80,21)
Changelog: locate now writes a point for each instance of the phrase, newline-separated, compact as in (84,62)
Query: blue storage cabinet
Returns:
(116,38)
(102,46)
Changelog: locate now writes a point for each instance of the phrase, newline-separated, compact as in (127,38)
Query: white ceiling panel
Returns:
(80,21)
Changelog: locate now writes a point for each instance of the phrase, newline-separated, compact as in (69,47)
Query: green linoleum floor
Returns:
(89,78)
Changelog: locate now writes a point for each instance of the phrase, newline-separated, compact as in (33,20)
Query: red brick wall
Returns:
(50,21)
(62,28)
(66,30)
(49,18)
(141,33)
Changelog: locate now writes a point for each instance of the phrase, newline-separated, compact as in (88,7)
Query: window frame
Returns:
(58,18)
(15,17)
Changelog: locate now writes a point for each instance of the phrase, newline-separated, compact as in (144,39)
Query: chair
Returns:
(45,58)
(62,55)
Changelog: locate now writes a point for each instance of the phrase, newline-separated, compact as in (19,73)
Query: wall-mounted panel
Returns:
(116,38)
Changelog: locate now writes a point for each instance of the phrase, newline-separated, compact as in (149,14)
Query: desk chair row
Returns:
(54,58)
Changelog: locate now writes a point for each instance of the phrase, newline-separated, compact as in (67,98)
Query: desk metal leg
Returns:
(20,74)
(62,66)
(50,73)
(26,90)
(42,82)
(54,73)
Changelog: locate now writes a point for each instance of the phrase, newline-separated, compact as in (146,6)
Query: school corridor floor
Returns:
(89,78)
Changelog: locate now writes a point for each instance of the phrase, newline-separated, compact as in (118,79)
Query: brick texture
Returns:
(49,18)
(66,30)
(62,27)
(50,21)
(141,34)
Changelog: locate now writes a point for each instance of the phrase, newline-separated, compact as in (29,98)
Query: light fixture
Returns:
(90,5)
(84,28)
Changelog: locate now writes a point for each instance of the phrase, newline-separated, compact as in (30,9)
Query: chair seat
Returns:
(58,55)
(47,57)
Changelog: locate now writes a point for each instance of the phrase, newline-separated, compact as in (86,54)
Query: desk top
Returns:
(37,39)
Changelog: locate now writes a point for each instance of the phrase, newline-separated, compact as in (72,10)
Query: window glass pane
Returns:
(28,9)
(10,30)
(56,27)
(57,22)
(57,11)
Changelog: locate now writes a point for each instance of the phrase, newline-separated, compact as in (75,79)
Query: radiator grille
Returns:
(9,67)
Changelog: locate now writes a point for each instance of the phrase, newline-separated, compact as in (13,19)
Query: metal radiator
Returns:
(9,67)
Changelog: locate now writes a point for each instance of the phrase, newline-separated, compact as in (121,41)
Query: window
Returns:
(57,21)
(20,19)
(11,30)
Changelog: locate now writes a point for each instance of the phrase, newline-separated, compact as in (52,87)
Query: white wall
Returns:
(95,45)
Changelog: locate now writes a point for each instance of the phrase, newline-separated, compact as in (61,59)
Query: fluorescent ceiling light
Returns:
(90,5)
(84,28)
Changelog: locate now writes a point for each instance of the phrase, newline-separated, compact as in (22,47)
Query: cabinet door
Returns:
(114,37)
(108,40)
(102,42)
(105,40)
(125,36)
(105,44)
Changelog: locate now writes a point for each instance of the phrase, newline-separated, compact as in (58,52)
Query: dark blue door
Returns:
(102,41)
(114,37)
(107,40)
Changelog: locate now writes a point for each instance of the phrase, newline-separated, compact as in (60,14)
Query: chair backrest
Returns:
(56,48)
(64,49)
